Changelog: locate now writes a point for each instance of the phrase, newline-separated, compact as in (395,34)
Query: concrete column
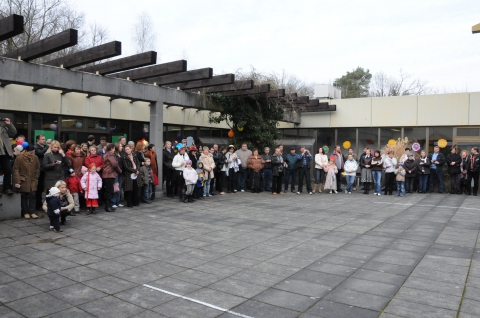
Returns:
(156,138)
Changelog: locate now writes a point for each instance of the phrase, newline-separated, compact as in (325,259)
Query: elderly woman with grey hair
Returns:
(66,201)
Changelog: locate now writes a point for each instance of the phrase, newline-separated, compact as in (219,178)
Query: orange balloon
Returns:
(230,133)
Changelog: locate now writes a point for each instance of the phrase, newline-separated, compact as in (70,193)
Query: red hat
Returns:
(332,158)
(90,166)
(193,148)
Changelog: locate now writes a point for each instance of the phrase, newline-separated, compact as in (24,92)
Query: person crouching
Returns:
(91,184)
(53,209)
(191,178)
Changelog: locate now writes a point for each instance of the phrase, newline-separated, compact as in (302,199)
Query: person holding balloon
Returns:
(7,131)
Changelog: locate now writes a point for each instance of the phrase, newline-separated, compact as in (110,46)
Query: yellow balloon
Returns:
(392,142)
(442,143)
(240,128)
(347,144)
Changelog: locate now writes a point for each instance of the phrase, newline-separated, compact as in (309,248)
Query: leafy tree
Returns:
(255,115)
(354,84)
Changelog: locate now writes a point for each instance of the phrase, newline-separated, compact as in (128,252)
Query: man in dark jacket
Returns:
(474,170)
(453,161)
(277,171)
(291,168)
(40,150)
(267,170)
(303,167)
(410,172)
(7,131)
(437,160)
(168,155)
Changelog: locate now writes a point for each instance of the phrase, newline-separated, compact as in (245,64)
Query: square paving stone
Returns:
(175,286)
(381,277)
(371,287)
(8,313)
(77,294)
(83,258)
(332,268)
(304,288)
(4,278)
(139,276)
(218,298)
(275,269)
(358,299)
(238,287)
(470,306)
(345,261)
(434,286)
(428,298)
(81,274)
(109,284)
(25,271)
(259,309)
(254,277)
(144,297)
(11,261)
(330,309)
(162,268)
(57,264)
(197,277)
(38,305)
(472,293)
(16,290)
(414,310)
(149,314)
(111,307)
(285,299)
(318,278)
(49,282)
(71,313)
(186,309)
(389,268)
(218,269)
(109,266)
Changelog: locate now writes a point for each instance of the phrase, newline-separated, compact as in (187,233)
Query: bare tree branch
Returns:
(144,35)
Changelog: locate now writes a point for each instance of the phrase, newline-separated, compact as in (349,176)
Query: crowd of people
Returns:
(62,178)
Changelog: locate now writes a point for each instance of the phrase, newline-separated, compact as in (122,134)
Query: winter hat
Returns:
(30,148)
(71,170)
(230,146)
(53,191)
(410,155)
(400,164)
(84,169)
(90,166)
(332,158)
(188,162)
(292,148)
(193,148)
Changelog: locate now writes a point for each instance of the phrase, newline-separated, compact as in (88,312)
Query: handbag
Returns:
(155,179)
(116,187)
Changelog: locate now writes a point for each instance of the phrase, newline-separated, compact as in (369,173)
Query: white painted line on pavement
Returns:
(199,302)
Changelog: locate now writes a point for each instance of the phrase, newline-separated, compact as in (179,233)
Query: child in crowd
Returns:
(91,184)
(146,180)
(75,188)
(191,178)
(400,172)
(200,181)
(53,209)
(331,180)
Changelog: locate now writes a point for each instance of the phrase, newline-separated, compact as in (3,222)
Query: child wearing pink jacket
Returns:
(91,183)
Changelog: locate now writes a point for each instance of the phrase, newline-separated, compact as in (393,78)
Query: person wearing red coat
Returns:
(75,188)
(94,158)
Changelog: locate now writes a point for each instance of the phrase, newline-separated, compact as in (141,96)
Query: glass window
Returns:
(474,132)
(326,137)
(367,137)
(204,132)
(99,124)
(387,134)
(437,133)
(119,128)
(217,132)
(347,137)
(45,125)
(416,135)
(174,134)
(140,130)
(290,133)
(69,122)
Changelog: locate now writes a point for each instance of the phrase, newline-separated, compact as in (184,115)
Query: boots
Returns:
(314,188)
(190,199)
(367,186)
(108,208)
(89,210)
(93,210)
(320,186)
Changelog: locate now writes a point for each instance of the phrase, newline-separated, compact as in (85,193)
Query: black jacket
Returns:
(364,162)
(425,166)
(277,165)
(167,159)
(410,165)
(440,159)
(267,165)
(455,169)
(476,164)
(40,153)
(221,161)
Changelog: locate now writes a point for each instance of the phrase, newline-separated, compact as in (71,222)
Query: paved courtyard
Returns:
(250,255)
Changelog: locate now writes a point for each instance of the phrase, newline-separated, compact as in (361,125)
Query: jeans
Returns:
(232,180)
(339,179)
(401,188)
(242,178)
(472,176)
(290,174)
(319,176)
(206,188)
(147,192)
(422,183)
(28,202)
(304,172)
(409,184)
(436,173)
(116,196)
(76,201)
(350,181)
(267,179)
(377,178)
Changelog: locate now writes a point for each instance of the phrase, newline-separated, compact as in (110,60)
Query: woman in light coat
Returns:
(321,162)
(208,165)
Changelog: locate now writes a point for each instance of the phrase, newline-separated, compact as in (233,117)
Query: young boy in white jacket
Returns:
(190,175)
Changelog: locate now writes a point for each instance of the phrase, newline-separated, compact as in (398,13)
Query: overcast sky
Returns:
(316,40)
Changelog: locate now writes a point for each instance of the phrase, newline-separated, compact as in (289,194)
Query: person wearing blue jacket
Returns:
(53,209)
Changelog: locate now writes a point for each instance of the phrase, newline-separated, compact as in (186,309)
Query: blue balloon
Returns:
(24,144)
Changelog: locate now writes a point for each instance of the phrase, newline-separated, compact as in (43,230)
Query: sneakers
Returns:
(242,190)
(57,231)
(234,191)
(346,192)
(310,192)
(27,216)
(274,193)
(299,192)
(349,192)
(282,192)
(335,191)
(114,206)
(120,205)
(331,191)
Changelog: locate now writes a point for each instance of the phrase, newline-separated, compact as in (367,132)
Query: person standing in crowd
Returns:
(191,178)
(233,164)
(146,181)
(359,163)
(377,166)
(200,181)
(212,181)
(255,164)
(354,156)
(351,167)
(423,171)
(243,154)
(110,173)
(76,159)
(222,171)
(389,164)
(278,166)
(40,150)
(90,141)
(464,165)
(84,149)
(215,183)
(267,170)
(410,167)
(101,146)
(366,164)
(131,167)
(119,157)
(404,157)
(26,171)
(151,153)
(168,169)
(178,164)
(97,160)
(474,170)
(291,169)
(208,165)
(303,167)
(437,160)
(192,155)
(332,171)
(339,162)
(91,185)
(321,161)
(7,131)
(53,163)
(74,185)
(453,161)
(400,177)
(199,151)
